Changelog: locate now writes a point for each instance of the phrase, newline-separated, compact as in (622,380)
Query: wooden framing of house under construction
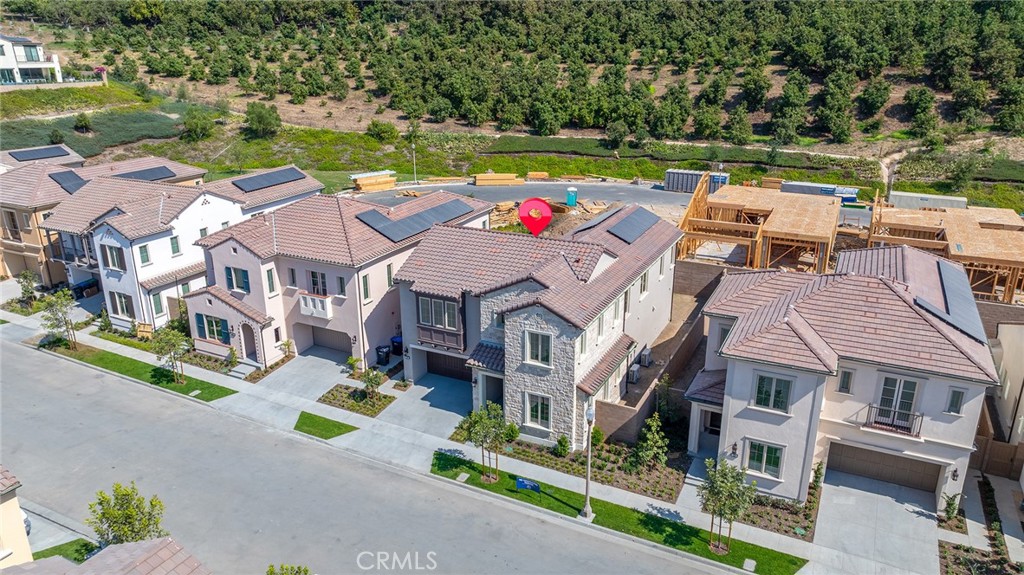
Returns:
(988,242)
(770,224)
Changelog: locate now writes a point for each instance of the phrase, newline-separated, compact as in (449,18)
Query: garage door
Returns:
(883,466)
(338,340)
(448,366)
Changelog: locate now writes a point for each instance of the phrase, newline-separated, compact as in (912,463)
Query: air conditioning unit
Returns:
(634,374)
(645,357)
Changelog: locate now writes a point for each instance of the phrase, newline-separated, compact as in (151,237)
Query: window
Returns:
(2,50)
(209,327)
(625,302)
(617,309)
(366,286)
(845,381)
(499,320)
(600,326)
(237,278)
(175,248)
(425,311)
(438,313)
(341,286)
(772,393)
(144,254)
(538,348)
(764,458)
(158,305)
(291,277)
(234,251)
(122,305)
(271,284)
(451,314)
(391,279)
(203,232)
(27,218)
(540,410)
(583,343)
(661,266)
(277,335)
(955,404)
(643,284)
(317,283)
(223,225)
(185,288)
(723,334)
(113,257)
(32,53)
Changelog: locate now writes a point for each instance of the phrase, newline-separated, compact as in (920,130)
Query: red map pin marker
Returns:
(535,214)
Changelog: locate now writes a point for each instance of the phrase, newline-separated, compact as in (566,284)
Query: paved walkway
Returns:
(1008,498)
(977,533)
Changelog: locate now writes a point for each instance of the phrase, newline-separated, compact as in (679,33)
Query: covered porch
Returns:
(706,395)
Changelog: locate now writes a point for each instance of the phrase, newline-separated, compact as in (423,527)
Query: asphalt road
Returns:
(241,496)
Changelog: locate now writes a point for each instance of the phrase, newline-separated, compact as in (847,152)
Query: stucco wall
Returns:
(1011,376)
(649,314)
(12,532)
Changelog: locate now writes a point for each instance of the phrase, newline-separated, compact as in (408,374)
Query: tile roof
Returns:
(153,557)
(148,206)
(226,188)
(182,172)
(488,356)
(71,157)
(30,186)
(326,229)
(174,276)
(241,307)
(7,480)
(810,321)
(606,366)
(708,387)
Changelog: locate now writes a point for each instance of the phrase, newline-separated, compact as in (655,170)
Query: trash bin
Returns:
(570,197)
(383,354)
(396,345)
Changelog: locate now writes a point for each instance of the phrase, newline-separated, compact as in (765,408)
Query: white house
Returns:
(319,272)
(22,61)
(541,326)
(879,369)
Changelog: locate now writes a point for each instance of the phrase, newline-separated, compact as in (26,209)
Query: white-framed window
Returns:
(765,458)
(583,343)
(366,286)
(223,225)
(723,334)
(27,219)
(317,283)
(540,410)
(277,335)
(391,279)
(203,232)
(439,313)
(158,305)
(625,301)
(643,283)
(144,255)
(271,284)
(234,251)
(616,310)
(237,279)
(341,286)
(845,381)
(955,401)
(538,348)
(661,266)
(175,246)
(499,320)
(113,257)
(121,305)
(291,277)
(600,326)
(772,393)
(185,288)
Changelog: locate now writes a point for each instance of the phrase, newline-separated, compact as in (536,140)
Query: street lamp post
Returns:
(415,179)
(587,513)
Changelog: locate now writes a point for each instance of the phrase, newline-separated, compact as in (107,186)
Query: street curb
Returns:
(57,518)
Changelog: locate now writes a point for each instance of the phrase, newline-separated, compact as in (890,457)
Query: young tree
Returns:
(738,130)
(198,125)
(874,96)
(488,430)
(262,121)
(57,316)
(651,447)
(755,87)
(383,132)
(171,345)
(127,70)
(372,380)
(27,281)
(615,134)
(125,517)
(724,495)
(707,122)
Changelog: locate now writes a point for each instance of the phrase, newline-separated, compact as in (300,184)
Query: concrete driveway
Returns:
(434,405)
(868,526)
(309,374)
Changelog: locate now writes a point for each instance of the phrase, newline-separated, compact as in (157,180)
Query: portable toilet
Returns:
(570,197)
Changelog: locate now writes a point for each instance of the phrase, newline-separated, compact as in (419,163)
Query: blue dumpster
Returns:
(570,197)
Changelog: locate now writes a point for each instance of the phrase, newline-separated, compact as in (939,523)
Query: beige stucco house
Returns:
(14,548)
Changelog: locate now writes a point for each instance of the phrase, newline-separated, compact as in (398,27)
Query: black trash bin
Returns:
(383,354)
(396,345)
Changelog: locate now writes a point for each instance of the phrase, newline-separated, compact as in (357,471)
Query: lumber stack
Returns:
(594,207)
(771,183)
(504,214)
(538,176)
(410,193)
(375,183)
(573,177)
(497,180)
(445,179)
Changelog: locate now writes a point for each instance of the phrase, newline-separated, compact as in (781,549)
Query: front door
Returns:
(494,392)
(896,406)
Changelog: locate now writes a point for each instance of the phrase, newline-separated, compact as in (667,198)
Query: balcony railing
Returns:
(315,305)
(80,260)
(443,337)
(894,421)
(12,235)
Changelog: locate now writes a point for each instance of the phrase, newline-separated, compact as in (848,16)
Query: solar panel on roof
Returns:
(398,230)
(589,224)
(630,228)
(149,174)
(39,154)
(68,180)
(260,181)
(961,311)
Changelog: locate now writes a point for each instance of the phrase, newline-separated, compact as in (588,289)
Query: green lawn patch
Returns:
(321,427)
(681,536)
(158,376)
(76,551)
(110,128)
(3,321)
(19,307)
(354,399)
(34,102)
(128,341)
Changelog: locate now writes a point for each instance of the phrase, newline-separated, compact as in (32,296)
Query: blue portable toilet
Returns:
(570,197)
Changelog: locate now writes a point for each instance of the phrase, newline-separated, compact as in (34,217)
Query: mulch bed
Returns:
(355,400)
(786,517)
(261,373)
(966,560)
(956,524)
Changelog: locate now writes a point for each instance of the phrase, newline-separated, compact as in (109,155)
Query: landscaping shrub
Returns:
(561,448)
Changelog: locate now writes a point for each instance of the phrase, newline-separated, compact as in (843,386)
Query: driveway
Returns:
(309,374)
(434,405)
(870,526)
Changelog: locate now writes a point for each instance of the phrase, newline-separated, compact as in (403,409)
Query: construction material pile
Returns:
(507,213)
(374,183)
(497,180)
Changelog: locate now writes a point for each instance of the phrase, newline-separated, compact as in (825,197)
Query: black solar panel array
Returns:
(591,223)
(39,153)
(398,230)
(68,180)
(258,182)
(961,310)
(630,228)
(149,174)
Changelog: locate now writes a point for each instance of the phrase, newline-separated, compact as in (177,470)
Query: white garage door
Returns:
(330,338)
(883,466)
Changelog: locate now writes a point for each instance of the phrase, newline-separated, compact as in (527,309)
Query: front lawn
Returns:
(3,321)
(76,551)
(321,427)
(155,375)
(21,308)
(355,399)
(668,532)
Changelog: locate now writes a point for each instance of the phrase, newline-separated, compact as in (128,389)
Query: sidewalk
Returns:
(1008,497)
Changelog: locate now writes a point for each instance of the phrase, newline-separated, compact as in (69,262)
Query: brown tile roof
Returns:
(54,565)
(255,198)
(708,387)
(153,557)
(77,214)
(71,158)
(241,307)
(487,356)
(175,276)
(326,229)
(810,321)
(7,480)
(606,366)
(182,172)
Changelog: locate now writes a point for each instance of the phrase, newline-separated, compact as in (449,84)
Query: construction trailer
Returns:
(988,242)
(775,227)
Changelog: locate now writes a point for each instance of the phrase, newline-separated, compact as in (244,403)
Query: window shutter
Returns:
(130,312)
(230,278)
(105,255)
(245,280)
(225,337)
(201,326)
(120,259)
(113,304)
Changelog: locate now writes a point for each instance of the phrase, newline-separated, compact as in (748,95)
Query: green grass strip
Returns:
(321,427)
(75,550)
(3,321)
(158,376)
(681,536)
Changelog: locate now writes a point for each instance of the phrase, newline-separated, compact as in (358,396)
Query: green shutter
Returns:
(244,277)
(201,326)
(230,278)
(225,337)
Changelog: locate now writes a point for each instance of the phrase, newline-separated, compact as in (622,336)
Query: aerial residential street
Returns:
(241,496)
